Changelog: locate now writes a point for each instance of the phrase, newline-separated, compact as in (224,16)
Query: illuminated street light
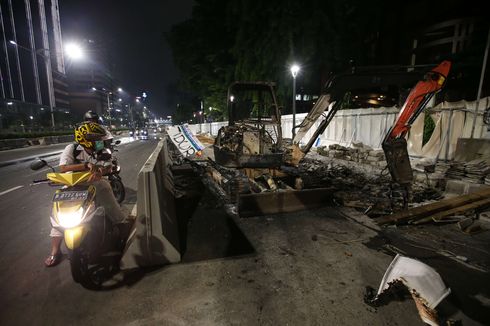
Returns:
(74,51)
(294,72)
(232,98)
(13,42)
(119,99)
(31,117)
(119,89)
(10,103)
(94,89)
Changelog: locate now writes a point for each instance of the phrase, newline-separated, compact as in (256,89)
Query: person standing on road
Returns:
(80,156)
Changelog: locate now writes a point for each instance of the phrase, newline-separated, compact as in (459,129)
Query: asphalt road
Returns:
(26,286)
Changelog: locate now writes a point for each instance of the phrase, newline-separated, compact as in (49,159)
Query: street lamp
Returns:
(294,72)
(74,51)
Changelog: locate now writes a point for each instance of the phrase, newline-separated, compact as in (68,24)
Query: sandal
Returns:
(53,260)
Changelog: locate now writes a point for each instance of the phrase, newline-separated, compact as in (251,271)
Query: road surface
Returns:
(24,229)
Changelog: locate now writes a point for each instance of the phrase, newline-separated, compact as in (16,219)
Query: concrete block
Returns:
(458,187)
(374,158)
(377,153)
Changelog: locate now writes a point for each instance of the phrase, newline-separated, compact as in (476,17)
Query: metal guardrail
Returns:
(155,240)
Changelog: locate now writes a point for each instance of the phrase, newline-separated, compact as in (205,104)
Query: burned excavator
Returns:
(394,144)
(253,137)
(252,147)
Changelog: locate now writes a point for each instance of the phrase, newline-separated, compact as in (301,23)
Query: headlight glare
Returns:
(70,219)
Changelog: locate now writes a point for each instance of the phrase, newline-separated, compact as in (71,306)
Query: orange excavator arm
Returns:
(418,98)
(394,143)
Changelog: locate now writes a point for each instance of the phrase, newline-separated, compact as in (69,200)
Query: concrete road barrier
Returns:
(13,143)
(155,240)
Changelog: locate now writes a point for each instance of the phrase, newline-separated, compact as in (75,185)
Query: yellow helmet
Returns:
(88,134)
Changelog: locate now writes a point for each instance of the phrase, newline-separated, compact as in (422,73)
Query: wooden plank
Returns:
(433,208)
(461,209)
(457,210)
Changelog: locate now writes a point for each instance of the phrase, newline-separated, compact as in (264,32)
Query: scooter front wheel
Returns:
(78,265)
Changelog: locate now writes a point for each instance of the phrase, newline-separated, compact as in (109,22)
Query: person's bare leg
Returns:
(56,245)
(55,257)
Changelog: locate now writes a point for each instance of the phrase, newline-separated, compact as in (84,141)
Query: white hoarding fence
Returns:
(369,125)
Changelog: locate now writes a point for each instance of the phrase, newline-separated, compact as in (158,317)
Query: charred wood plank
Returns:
(420,212)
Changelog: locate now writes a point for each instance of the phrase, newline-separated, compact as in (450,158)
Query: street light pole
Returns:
(131,115)
(109,107)
(294,72)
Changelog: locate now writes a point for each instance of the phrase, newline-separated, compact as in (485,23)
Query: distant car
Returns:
(134,132)
(144,133)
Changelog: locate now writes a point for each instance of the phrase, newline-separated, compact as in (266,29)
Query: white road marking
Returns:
(11,189)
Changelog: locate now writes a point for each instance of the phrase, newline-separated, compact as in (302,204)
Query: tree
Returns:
(246,40)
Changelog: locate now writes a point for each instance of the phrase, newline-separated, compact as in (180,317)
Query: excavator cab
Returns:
(253,137)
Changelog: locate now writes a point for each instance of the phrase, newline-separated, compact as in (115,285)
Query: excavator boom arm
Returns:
(394,144)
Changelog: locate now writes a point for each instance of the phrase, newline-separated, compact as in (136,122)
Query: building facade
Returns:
(33,83)
(90,81)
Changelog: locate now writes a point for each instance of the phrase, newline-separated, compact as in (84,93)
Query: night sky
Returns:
(133,34)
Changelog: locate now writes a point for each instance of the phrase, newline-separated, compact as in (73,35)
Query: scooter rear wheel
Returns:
(118,189)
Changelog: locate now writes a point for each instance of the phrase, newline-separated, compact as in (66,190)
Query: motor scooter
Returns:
(93,241)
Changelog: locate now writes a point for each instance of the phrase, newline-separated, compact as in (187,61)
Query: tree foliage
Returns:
(225,41)
(247,40)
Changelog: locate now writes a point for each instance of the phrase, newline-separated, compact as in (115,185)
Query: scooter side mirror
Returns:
(117,142)
(38,164)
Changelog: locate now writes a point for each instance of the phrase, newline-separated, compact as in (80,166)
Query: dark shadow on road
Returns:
(212,234)
(131,196)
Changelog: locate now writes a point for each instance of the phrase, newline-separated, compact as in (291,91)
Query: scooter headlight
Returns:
(70,219)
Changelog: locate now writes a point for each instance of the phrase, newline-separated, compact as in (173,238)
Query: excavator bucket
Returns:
(398,161)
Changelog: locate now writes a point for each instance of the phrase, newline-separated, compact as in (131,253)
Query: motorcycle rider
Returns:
(91,116)
(81,156)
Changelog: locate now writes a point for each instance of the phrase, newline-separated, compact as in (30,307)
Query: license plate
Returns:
(70,196)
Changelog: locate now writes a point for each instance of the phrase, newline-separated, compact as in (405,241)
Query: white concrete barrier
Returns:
(155,240)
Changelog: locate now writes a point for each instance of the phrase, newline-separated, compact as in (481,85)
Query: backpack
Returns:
(76,152)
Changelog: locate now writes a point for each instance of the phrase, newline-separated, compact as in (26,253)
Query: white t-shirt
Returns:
(67,157)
